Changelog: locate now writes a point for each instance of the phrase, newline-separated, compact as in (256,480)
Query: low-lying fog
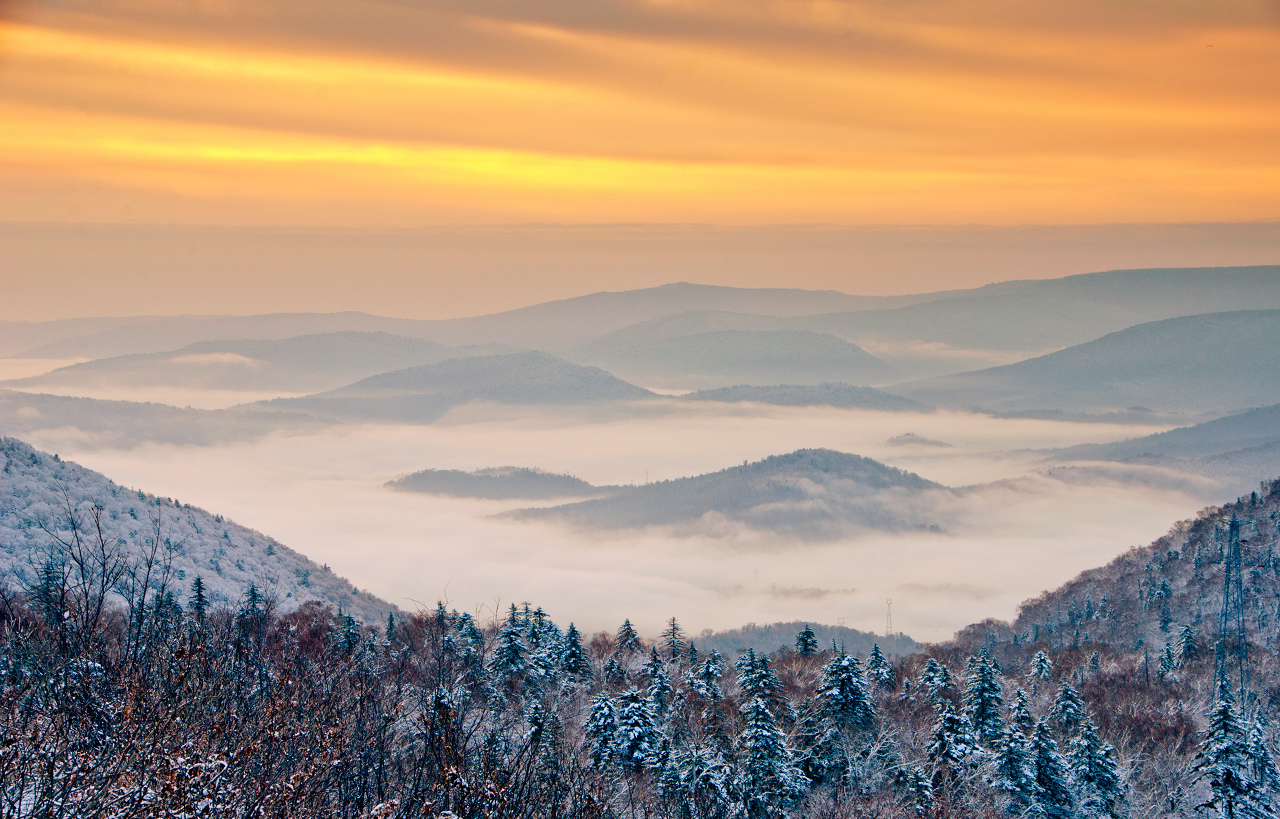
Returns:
(323,495)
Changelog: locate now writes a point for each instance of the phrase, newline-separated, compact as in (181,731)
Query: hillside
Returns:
(814,493)
(768,639)
(41,496)
(810,395)
(1246,430)
(1214,364)
(422,394)
(495,483)
(726,357)
(125,424)
(1037,315)
(311,363)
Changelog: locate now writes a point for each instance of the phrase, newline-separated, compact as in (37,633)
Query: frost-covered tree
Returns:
(198,603)
(705,679)
(769,779)
(950,747)
(574,662)
(1068,709)
(601,731)
(1095,772)
(1223,763)
(638,741)
(937,680)
(673,641)
(983,702)
(660,690)
(1168,661)
(1053,797)
(509,662)
(627,641)
(879,671)
(757,680)
(842,695)
(1011,769)
(1020,713)
(1041,671)
(806,642)
(918,791)
(1188,646)
(701,784)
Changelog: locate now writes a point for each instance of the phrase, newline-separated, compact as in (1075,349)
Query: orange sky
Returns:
(385,114)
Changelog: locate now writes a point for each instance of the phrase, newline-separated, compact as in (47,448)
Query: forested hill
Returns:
(46,502)
(1146,598)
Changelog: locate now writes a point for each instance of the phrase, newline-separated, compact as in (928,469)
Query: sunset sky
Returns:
(375,116)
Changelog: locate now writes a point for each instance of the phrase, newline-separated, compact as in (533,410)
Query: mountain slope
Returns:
(496,483)
(809,395)
(726,357)
(309,363)
(1214,363)
(421,394)
(808,493)
(39,492)
(1246,430)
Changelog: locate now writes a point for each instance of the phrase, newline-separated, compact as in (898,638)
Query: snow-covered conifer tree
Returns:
(638,743)
(770,781)
(601,731)
(879,670)
(627,642)
(842,695)
(574,662)
(806,642)
(984,705)
(1052,788)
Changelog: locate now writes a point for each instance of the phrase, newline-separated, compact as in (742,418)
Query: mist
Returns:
(1017,530)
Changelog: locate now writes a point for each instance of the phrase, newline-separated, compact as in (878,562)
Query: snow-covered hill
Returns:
(41,496)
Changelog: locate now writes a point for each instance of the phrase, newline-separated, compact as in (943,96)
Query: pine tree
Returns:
(627,642)
(573,659)
(1052,790)
(1068,709)
(637,743)
(1095,772)
(879,671)
(984,705)
(1011,772)
(509,661)
(918,790)
(614,673)
(1020,713)
(1041,671)
(1262,765)
(770,779)
(705,680)
(660,690)
(673,640)
(1168,661)
(842,696)
(691,656)
(601,731)
(1188,646)
(806,642)
(757,680)
(198,603)
(937,680)
(391,627)
(350,636)
(949,747)
(1223,762)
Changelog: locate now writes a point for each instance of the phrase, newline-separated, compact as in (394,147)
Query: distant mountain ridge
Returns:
(496,483)
(36,488)
(809,395)
(422,394)
(309,363)
(1211,363)
(811,493)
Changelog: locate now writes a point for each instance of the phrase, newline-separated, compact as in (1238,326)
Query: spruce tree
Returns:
(1011,769)
(879,671)
(198,603)
(627,642)
(1049,770)
(918,791)
(842,695)
(757,680)
(573,659)
(1020,713)
(984,705)
(1223,762)
(673,640)
(1041,671)
(1188,646)
(1168,661)
(770,780)
(1068,709)
(950,746)
(806,642)
(660,690)
(705,680)
(637,744)
(937,680)
(1095,772)
(601,731)
(509,662)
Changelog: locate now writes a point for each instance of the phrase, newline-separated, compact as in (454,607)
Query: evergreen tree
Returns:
(700,781)
(949,747)
(614,673)
(1262,765)
(879,671)
(1095,772)
(1011,774)
(350,636)
(1020,713)
(705,680)
(391,627)
(637,745)
(573,659)
(937,680)
(198,603)
(601,731)
(660,690)
(770,780)
(1068,709)
(673,640)
(627,642)
(1223,762)
(1052,789)
(918,791)
(1188,646)
(1041,671)
(691,656)
(842,696)
(806,642)
(984,705)
(757,680)
(509,661)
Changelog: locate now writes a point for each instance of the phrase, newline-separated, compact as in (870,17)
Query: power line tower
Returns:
(1233,644)
(888,617)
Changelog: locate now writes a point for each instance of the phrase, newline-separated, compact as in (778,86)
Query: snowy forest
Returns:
(159,702)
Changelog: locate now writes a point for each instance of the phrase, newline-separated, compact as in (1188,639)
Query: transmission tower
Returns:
(888,617)
(1233,645)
